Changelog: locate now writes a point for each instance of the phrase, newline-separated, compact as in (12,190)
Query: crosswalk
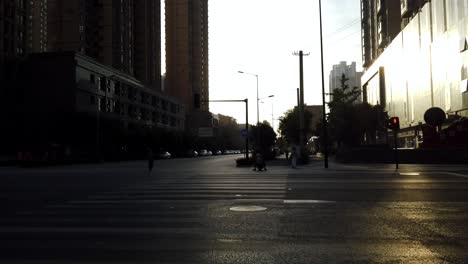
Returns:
(158,210)
(186,217)
(201,188)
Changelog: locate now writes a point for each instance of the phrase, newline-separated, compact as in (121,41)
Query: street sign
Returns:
(205,132)
(244,133)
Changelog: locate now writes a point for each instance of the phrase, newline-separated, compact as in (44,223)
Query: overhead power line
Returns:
(343,28)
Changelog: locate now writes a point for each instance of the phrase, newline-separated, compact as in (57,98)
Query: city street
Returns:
(205,210)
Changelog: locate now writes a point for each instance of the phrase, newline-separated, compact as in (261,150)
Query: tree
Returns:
(263,138)
(289,125)
(342,111)
(352,123)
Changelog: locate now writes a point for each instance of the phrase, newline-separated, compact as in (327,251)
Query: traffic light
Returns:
(393,123)
(196,101)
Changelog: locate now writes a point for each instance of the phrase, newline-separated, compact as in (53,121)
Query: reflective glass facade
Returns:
(426,65)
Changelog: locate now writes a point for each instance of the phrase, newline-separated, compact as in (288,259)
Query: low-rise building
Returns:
(67,98)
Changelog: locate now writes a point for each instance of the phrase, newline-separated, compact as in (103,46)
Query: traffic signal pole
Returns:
(395,135)
(393,123)
(246,128)
(246,101)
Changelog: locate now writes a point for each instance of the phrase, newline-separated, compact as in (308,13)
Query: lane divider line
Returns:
(455,174)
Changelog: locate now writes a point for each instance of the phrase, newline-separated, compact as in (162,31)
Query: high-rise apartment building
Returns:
(187,51)
(23,27)
(148,42)
(381,22)
(123,34)
(350,72)
(37,25)
(12,28)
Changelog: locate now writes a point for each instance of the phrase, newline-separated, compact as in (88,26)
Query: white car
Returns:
(164,155)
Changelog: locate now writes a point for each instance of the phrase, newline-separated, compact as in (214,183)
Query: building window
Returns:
(131,111)
(102,104)
(102,83)
(380,32)
(117,109)
(92,78)
(117,88)
(92,100)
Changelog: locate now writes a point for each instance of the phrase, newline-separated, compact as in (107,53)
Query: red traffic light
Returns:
(393,123)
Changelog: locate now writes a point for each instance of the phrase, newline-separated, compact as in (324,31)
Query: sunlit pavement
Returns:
(207,211)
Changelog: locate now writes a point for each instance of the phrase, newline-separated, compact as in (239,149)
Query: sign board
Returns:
(244,132)
(205,132)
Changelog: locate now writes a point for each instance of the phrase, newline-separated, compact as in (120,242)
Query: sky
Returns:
(260,36)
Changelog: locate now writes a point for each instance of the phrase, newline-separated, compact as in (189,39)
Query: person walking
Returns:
(293,157)
(150,160)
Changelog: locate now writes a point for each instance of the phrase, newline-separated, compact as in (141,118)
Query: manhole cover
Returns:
(247,208)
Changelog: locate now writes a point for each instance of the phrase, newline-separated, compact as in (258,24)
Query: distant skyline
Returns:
(260,36)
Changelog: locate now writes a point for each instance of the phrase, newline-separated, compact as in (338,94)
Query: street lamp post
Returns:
(256,76)
(325,136)
(259,99)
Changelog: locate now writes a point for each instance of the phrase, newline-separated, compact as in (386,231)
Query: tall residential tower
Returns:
(187,51)
(353,76)
(123,34)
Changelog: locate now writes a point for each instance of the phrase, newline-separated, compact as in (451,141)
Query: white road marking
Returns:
(247,208)
(455,174)
(409,173)
(306,201)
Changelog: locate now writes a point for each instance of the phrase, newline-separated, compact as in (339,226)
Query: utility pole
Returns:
(301,98)
(272,118)
(298,98)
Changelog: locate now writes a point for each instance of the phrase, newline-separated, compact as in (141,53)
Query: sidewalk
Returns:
(316,164)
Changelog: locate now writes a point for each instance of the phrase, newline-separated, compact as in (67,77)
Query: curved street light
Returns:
(256,76)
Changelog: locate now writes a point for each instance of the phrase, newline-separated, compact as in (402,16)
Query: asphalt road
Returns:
(207,211)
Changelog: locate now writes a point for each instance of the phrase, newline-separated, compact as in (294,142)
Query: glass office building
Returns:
(426,65)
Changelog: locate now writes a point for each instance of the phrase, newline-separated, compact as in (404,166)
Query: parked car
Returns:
(164,155)
(192,153)
(203,152)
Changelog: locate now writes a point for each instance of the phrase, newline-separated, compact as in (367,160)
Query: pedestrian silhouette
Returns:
(260,163)
(293,157)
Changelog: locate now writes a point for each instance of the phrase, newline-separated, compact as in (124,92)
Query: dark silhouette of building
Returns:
(69,99)
(125,35)
(23,28)
(187,51)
